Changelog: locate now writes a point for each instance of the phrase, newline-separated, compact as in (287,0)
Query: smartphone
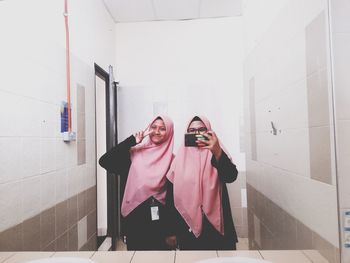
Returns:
(191,138)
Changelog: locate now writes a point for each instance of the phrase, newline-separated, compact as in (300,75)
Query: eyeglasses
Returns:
(199,130)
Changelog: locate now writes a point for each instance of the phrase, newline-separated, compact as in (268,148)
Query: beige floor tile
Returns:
(5,255)
(315,256)
(193,256)
(239,253)
(285,256)
(154,257)
(80,254)
(121,246)
(26,256)
(242,244)
(113,256)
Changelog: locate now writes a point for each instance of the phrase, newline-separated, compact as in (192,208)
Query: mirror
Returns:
(263,79)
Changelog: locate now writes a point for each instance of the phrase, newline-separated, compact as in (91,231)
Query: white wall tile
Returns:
(47,155)
(292,105)
(90,176)
(316,44)
(257,234)
(82,232)
(318,99)
(342,136)
(48,190)
(60,155)
(61,185)
(320,154)
(30,156)
(278,64)
(313,8)
(10,160)
(10,204)
(31,192)
(71,154)
(340,10)
(343,157)
(341,43)
(48,119)
(31,90)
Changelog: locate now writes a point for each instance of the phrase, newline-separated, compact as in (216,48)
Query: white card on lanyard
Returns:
(154,213)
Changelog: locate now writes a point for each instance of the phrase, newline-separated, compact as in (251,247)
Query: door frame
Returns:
(111,141)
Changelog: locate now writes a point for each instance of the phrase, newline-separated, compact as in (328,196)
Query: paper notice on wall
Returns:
(160,108)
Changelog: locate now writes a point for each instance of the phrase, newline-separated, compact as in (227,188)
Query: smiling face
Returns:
(197,127)
(157,131)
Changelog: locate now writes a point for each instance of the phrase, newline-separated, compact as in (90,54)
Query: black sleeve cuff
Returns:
(222,159)
(131,141)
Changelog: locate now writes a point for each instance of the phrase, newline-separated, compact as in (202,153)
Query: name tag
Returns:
(154,213)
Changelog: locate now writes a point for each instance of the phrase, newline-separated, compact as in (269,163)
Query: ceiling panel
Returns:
(130,10)
(176,9)
(220,8)
(150,10)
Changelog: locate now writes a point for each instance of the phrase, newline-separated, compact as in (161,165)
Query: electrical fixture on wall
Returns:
(347,229)
(66,109)
(66,134)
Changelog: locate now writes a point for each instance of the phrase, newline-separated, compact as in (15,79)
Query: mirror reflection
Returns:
(161,130)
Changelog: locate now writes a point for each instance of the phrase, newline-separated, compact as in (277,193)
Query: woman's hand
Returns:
(171,241)
(211,144)
(139,136)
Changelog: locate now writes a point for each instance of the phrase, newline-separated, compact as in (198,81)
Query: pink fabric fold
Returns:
(197,188)
(147,175)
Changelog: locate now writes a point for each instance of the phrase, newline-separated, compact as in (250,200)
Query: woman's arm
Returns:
(117,159)
(227,171)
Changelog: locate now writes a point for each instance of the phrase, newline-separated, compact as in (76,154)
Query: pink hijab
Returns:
(149,165)
(197,187)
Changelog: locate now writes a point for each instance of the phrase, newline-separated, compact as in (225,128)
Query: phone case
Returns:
(191,138)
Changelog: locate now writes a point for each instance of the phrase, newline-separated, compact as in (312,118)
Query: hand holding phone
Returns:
(191,138)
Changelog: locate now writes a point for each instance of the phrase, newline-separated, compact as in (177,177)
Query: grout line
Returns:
(132,256)
(261,254)
(154,11)
(93,254)
(11,255)
(307,256)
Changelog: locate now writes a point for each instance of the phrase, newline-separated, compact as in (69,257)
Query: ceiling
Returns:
(155,10)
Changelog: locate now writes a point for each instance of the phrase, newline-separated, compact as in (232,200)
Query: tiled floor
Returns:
(241,245)
(273,256)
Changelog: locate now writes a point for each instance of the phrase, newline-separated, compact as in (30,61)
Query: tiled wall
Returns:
(47,186)
(290,140)
(272,228)
(340,13)
(69,225)
(81,139)
(237,195)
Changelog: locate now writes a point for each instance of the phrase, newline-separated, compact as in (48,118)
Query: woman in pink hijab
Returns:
(197,196)
(143,168)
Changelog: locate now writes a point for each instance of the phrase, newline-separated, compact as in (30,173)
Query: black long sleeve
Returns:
(117,159)
(227,171)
